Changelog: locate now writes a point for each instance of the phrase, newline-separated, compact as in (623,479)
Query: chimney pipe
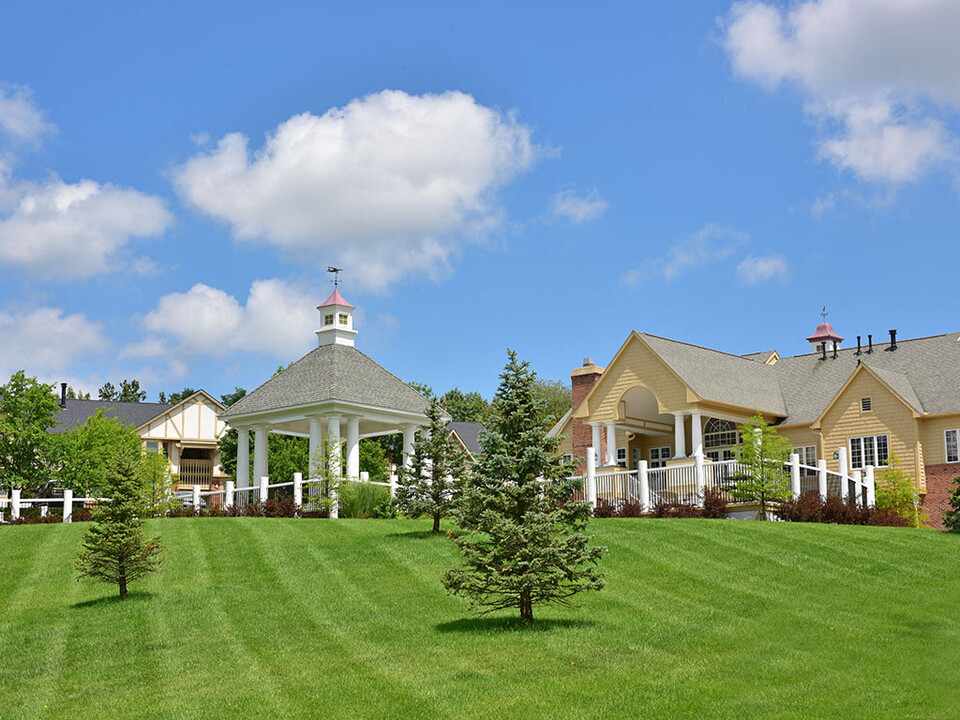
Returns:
(858,346)
(587,362)
(823,347)
(893,341)
(834,349)
(870,340)
(63,395)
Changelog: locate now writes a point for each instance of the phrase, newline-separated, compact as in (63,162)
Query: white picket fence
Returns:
(688,483)
(229,496)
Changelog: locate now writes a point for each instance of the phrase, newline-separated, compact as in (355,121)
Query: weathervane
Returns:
(336,274)
(824,313)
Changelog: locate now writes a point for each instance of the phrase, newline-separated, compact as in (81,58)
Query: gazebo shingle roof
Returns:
(331,373)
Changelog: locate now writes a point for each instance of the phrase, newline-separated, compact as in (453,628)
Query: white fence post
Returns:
(644,486)
(264,490)
(298,489)
(44,510)
(857,495)
(844,471)
(822,478)
(795,475)
(364,476)
(67,505)
(591,476)
(196,497)
(698,474)
(15,504)
(871,484)
(228,495)
(393,481)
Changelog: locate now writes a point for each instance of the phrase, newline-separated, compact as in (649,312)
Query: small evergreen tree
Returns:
(951,518)
(115,550)
(897,493)
(524,541)
(326,470)
(156,483)
(430,484)
(764,453)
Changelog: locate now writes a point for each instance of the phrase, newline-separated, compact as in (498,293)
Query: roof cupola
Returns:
(824,334)
(336,321)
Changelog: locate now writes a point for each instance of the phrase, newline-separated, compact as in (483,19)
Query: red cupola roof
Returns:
(824,331)
(335,299)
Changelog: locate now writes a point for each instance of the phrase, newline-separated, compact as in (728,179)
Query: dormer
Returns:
(336,321)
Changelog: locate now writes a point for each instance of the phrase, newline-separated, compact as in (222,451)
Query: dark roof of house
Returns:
(469,434)
(76,412)
(331,373)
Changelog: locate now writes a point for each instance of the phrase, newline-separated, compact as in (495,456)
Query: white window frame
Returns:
(862,441)
(806,452)
(726,437)
(659,456)
(568,458)
(622,457)
(956,445)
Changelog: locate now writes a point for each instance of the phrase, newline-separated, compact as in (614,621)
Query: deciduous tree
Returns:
(897,493)
(86,451)
(27,410)
(763,453)
(524,540)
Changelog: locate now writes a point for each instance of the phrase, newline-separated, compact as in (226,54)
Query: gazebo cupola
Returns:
(336,321)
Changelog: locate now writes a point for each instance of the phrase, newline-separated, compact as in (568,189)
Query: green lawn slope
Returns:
(347,619)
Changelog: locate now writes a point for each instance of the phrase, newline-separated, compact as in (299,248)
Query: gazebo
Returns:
(331,392)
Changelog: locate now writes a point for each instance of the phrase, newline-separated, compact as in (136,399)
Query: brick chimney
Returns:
(582,380)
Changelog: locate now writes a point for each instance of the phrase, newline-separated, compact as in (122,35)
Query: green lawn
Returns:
(307,618)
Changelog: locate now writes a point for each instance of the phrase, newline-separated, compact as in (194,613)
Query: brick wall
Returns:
(939,486)
(582,381)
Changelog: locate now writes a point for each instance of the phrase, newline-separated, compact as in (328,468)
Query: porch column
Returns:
(243,457)
(696,430)
(261,464)
(597,440)
(611,456)
(353,447)
(333,440)
(316,447)
(409,433)
(679,442)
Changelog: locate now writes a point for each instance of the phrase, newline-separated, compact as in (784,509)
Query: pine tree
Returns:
(431,483)
(115,549)
(951,518)
(764,455)
(524,541)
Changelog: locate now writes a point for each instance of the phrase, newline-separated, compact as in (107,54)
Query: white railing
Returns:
(688,483)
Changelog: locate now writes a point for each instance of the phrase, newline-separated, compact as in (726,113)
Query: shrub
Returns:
(951,518)
(630,509)
(676,510)
(605,509)
(809,507)
(714,505)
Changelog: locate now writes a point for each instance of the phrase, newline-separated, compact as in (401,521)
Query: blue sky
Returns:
(175,180)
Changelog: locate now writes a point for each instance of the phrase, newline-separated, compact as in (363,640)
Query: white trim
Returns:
(946,455)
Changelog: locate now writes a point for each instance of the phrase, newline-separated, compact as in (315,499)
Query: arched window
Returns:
(719,433)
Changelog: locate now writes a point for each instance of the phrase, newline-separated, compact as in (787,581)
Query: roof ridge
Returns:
(701,347)
(899,341)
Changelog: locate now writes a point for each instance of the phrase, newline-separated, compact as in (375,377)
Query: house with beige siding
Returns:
(665,401)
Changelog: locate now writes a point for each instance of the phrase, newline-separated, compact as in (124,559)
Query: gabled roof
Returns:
(721,377)
(331,373)
(335,299)
(559,425)
(469,434)
(77,412)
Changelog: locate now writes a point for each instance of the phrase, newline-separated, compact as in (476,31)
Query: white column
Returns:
(871,484)
(353,447)
(857,493)
(795,475)
(68,505)
(243,457)
(409,434)
(333,441)
(228,494)
(596,438)
(679,442)
(611,457)
(261,465)
(844,469)
(696,432)
(15,503)
(298,489)
(316,447)
(591,488)
(822,478)
(644,486)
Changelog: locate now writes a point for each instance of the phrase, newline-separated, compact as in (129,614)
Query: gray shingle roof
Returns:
(719,376)
(469,434)
(924,371)
(331,373)
(134,414)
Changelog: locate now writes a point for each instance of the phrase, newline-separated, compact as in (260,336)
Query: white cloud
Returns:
(577,208)
(63,230)
(753,270)
(20,119)
(878,74)
(385,186)
(277,320)
(45,340)
(710,244)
